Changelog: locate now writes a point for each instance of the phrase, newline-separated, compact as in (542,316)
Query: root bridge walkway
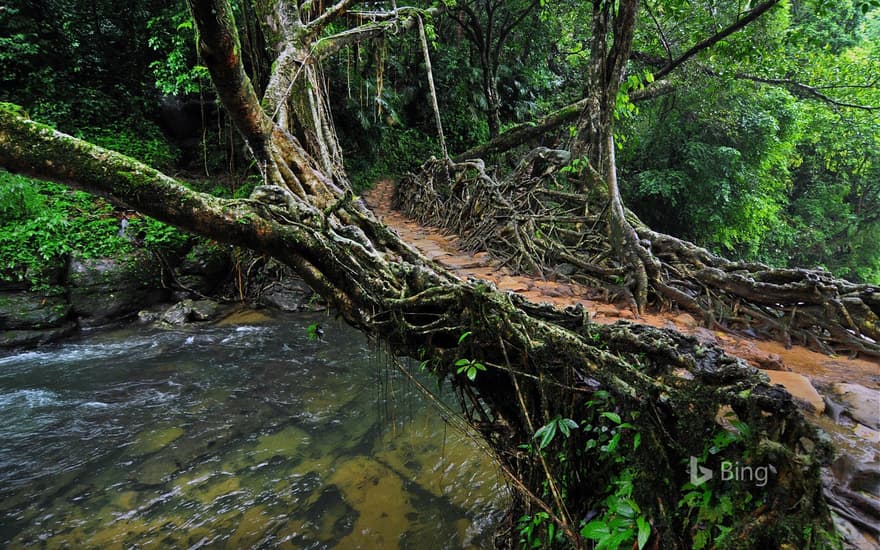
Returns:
(772,357)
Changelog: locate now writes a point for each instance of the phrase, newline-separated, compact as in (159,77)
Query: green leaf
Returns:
(595,530)
(462,362)
(614,417)
(644,531)
(472,373)
(546,433)
(463,336)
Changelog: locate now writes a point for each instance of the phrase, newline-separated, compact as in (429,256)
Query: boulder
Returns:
(31,338)
(859,402)
(31,311)
(203,310)
(178,314)
(189,310)
(288,295)
(105,290)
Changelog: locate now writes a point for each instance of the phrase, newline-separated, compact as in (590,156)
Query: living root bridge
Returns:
(658,392)
(534,224)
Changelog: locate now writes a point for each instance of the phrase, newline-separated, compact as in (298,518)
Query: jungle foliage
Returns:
(756,148)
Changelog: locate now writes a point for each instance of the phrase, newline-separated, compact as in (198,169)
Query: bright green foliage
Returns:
(547,432)
(530,528)
(42,223)
(720,162)
(622,522)
(173,36)
(469,367)
(137,139)
(782,171)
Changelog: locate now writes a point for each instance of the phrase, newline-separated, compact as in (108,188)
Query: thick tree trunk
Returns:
(613,26)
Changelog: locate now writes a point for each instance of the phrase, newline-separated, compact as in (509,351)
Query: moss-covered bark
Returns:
(541,363)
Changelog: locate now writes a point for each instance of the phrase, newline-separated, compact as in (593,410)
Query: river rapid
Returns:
(240,435)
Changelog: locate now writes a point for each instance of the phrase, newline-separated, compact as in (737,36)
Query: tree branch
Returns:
(750,16)
(804,89)
(219,46)
(315,26)
(523,133)
(327,46)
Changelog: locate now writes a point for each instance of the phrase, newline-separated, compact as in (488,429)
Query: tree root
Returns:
(532,225)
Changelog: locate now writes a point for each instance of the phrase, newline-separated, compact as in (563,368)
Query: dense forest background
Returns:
(765,147)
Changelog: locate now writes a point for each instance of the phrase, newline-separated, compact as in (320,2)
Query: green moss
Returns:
(16,110)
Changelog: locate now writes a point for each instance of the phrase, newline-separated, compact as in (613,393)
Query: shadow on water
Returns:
(236,436)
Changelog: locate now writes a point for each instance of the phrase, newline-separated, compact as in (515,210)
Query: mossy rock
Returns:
(32,311)
(31,338)
(104,290)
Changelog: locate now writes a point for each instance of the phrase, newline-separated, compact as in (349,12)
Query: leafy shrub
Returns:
(141,139)
(42,223)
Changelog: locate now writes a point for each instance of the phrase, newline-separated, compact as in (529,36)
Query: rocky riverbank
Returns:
(91,293)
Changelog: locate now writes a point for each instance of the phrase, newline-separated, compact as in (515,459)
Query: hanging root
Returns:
(531,223)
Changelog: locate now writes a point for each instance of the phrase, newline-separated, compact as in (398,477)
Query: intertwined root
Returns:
(533,224)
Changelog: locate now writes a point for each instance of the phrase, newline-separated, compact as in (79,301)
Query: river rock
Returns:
(30,319)
(105,290)
(203,310)
(31,311)
(178,314)
(189,310)
(799,387)
(31,338)
(288,295)
(861,403)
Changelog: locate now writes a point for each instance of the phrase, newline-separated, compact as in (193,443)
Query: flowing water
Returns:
(240,435)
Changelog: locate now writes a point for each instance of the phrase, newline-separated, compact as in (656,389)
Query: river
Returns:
(243,434)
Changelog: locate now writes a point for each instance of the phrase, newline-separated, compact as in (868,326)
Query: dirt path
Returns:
(766,355)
